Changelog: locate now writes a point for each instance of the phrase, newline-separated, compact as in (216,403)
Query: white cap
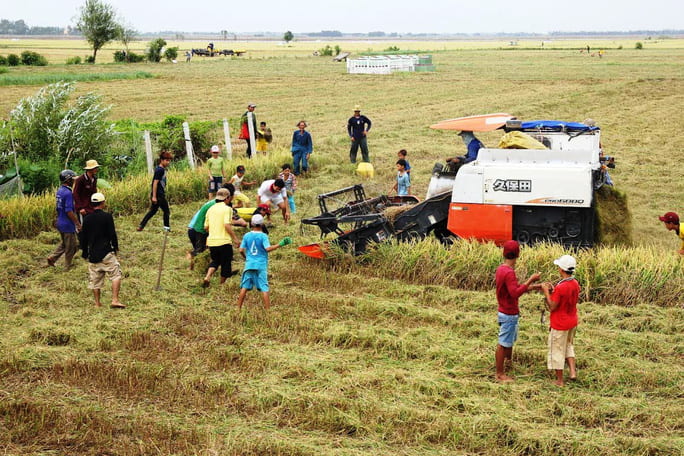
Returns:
(215,148)
(257,219)
(97,198)
(567,263)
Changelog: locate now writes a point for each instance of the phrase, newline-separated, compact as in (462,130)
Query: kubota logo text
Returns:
(512,185)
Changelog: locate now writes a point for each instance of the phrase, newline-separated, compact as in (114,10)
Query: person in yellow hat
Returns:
(358,127)
(85,186)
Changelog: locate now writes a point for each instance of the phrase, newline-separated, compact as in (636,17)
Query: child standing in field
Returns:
(217,171)
(255,247)
(562,302)
(401,155)
(264,137)
(508,290)
(290,185)
(403,184)
(240,199)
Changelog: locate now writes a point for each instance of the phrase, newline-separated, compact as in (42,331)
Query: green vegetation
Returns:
(31,58)
(388,354)
(51,78)
(74,60)
(98,24)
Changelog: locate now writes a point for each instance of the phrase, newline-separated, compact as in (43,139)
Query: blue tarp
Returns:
(556,125)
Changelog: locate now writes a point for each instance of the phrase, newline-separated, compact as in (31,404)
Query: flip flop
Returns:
(117,306)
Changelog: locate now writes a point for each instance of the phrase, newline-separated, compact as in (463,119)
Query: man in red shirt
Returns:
(85,186)
(562,302)
(508,290)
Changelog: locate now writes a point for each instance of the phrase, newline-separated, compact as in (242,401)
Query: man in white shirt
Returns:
(273,193)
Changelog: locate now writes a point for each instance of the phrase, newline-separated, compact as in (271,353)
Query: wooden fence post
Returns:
(226,134)
(148,152)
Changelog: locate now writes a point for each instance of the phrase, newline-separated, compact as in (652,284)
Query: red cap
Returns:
(670,217)
(511,249)
(265,207)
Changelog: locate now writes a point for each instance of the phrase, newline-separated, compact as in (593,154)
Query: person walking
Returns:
(255,247)
(508,290)
(671,222)
(302,146)
(218,223)
(99,245)
(67,222)
(84,187)
(244,127)
(158,193)
(358,127)
(561,301)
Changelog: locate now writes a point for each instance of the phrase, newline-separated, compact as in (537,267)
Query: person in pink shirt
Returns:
(508,290)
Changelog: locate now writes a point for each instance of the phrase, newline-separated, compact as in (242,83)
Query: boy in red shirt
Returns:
(508,290)
(562,302)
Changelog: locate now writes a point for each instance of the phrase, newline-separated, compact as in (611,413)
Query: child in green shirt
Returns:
(216,167)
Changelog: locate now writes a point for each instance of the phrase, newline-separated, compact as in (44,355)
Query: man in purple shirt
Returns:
(67,222)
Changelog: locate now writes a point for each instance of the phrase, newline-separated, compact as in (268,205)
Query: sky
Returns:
(401,16)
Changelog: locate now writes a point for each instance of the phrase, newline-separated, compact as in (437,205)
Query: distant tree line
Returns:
(20,27)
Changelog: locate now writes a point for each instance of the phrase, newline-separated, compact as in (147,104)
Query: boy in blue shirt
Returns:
(402,156)
(403,184)
(255,247)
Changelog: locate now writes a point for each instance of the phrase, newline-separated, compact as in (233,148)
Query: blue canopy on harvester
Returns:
(556,125)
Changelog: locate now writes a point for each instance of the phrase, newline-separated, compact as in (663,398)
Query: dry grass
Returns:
(392,355)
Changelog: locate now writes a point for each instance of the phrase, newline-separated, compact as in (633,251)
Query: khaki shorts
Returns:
(560,347)
(239,196)
(96,271)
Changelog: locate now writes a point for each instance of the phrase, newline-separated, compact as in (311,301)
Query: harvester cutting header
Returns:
(538,184)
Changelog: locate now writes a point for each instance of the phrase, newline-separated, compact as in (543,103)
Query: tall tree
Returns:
(98,24)
(126,34)
(288,36)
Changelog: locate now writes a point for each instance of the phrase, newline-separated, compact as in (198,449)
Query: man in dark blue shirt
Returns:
(158,193)
(357,128)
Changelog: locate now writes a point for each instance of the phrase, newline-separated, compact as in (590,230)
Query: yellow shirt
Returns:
(681,237)
(218,216)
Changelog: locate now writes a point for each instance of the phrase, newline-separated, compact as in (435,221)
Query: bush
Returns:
(31,58)
(392,49)
(3,70)
(3,60)
(338,49)
(13,60)
(74,61)
(120,56)
(639,45)
(154,51)
(171,53)
(135,58)
(89,59)
(327,50)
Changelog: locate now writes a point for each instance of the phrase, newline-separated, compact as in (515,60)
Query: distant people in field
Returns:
(561,300)
(671,222)
(99,245)
(67,222)
(158,193)
(216,167)
(358,127)
(264,136)
(84,187)
(508,290)
(302,147)
(244,127)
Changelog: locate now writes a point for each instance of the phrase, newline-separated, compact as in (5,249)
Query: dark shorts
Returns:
(215,183)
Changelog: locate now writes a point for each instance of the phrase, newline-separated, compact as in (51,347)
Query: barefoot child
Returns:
(239,198)
(255,248)
(508,290)
(562,302)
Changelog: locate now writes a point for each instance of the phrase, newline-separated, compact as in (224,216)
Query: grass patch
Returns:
(49,78)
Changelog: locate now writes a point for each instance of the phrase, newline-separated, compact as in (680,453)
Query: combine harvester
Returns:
(538,185)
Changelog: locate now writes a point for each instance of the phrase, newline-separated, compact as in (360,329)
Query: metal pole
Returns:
(188,145)
(161,261)
(226,134)
(252,133)
(148,152)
